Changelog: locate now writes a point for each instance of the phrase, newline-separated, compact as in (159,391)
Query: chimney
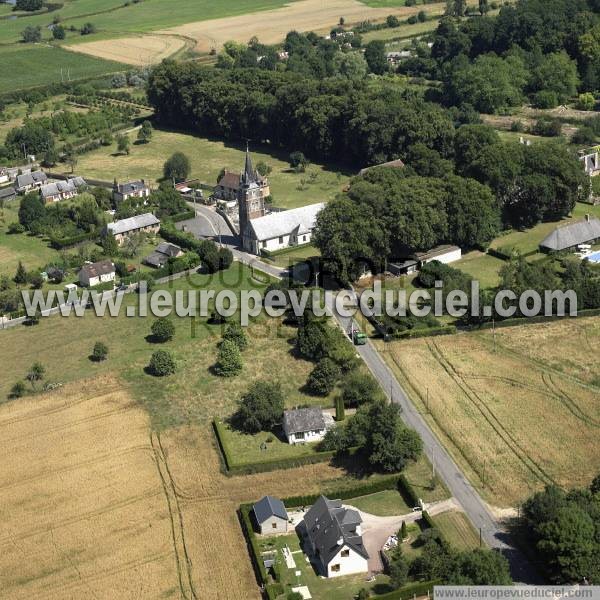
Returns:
(340,541)
(587,218)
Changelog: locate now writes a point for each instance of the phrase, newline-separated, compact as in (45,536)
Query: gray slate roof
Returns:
(103,267)
(29,179)
(328,523)
(161,255)
(268,507)
(131,186)
(62,187)
(300,220)
(7,193)
(572,235)
(303,419)
(132,224)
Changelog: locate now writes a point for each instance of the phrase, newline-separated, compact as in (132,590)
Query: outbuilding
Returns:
(270,516)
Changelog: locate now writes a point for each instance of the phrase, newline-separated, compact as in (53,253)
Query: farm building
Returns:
(146,223)
(131,189)
(334,538)
(61,190)
(96,273)
(270,515)
(568,237)
(7,193)
(164,251)
(443,254)
(280,230)
(30,181)
(304,425)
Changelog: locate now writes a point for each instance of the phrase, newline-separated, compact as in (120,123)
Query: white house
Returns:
(94,274)
(4,178)
(284,229)
(334,539)
(131,189)
(443,254)
(304,425)
(270,516)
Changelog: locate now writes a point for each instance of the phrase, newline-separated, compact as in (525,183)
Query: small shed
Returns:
(270,515)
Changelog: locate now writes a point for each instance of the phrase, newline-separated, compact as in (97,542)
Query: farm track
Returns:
(511,442)
(182,559)
(568,402)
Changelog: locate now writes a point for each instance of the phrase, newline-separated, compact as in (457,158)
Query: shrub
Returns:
(15,228)
(340,412)
(358,388)
(18,390)
(324,377)
(162,330)
(546,99)
(584,136)
(237,335)
(162,364)
(229,362)
(100,352)
(261,408)
(36,373)
(586,101)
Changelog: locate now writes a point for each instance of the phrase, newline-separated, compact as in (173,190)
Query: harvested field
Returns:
(517,418)
(139,51)
(304,15)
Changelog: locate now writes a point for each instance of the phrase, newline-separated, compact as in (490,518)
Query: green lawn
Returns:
(35,65)
(404,31)
(208,157)
(388,503)
(294,256)
(457,530)
(482,267)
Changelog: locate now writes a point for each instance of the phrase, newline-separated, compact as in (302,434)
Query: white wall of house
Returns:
(347,562)
(3,178)
(306,436)
(285,241)
(447,258)
(273,525)
(93,281)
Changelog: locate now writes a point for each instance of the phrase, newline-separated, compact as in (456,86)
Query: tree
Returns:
(162,364)
(123,144)
(261,166)
(298,162)
(59,32)
(469,142)
(359,388)
(235,333)
(211,258)
(555,73)
(51,157)
(163,330)
(392,21)
(324,377)
(36,373)
(31,138)
(351,65)
(145,132)
(261,408)
(110,246)
(88,29)
(229,361)
(403,531)
(70,156)
(32,34)
(29,5)
(177,167)
(398,570)
(340,411)
(312,338)
(17,390)
(376,57)
(484,7)
(595,485)
(99,352)
(21,275)
(225,258)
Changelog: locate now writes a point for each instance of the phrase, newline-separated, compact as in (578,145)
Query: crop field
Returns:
(39,64)
(208,157)
(507,413)
(139,51)
(303,15)
(457,529)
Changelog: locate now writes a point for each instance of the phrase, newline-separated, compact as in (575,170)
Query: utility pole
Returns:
(480,540)
(427,400)
(494,332)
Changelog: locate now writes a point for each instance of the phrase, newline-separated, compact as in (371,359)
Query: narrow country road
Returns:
(460,488)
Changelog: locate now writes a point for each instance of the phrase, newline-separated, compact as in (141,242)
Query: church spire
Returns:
(249,175)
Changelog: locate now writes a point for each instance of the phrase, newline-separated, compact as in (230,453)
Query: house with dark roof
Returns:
(61,190)
(131,189)
(93,274)
(333,537)
(30,181)
(303,425)
(8,193)
(230,183)
(568,237)
(146,223)
(270,516)
(164,251)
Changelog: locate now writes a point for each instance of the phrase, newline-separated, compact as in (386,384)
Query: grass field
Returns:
(40,64)
(208,157)
(457,529)
(388,503)
(516,418)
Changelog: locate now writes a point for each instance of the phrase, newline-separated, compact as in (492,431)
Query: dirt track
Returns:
(271,26)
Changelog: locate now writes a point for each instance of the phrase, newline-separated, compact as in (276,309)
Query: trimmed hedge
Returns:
(421,588)
(407,491)
(182,216)
(64,242)
(272,253)
(588,312)
(420,333)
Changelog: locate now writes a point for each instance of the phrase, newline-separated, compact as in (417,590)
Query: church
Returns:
(275,231)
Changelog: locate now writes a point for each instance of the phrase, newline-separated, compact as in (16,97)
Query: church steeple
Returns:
(251,199)
(248,176)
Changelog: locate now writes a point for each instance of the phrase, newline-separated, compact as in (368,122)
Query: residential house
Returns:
(61,190)
(270,516)
(131,189)
(568,237)
(4,178)
(93,274)
(279,230)
(164,251)
(7,193)
(303,425)
(29,181)
(229,186)
(146,223)
(333,537)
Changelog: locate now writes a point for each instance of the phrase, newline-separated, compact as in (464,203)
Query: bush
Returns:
(18,390)
(237,335)
(324,377)
(100,352)
(358,388)
(162,364)
(162,330)
(547,127)
(584,136)
(586,101)
(229,362)
(261,408)
(15,228)
(545,99)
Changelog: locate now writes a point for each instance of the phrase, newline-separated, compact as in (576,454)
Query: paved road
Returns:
(476,509)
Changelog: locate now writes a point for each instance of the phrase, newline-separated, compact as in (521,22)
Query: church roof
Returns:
(299,220)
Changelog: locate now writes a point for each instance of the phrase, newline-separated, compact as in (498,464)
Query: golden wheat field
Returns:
(516,417)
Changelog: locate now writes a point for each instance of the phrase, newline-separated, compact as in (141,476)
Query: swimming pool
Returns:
(595,257)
